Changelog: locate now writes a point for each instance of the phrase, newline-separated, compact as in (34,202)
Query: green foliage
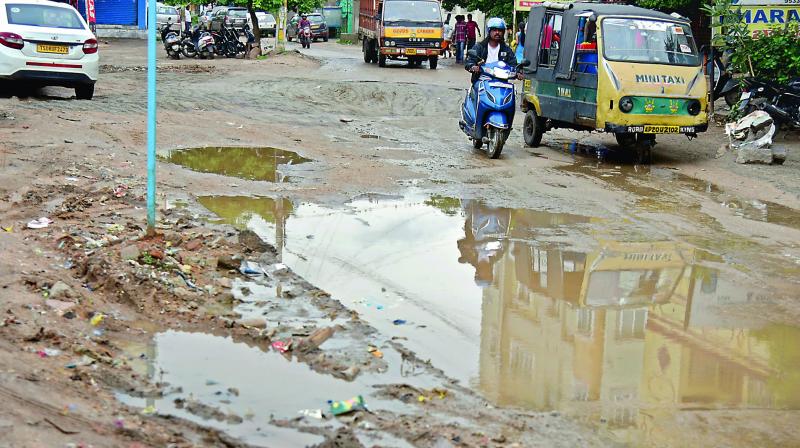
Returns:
(346,42)
(663,5)
(449,206)
(491,8)
(774,55)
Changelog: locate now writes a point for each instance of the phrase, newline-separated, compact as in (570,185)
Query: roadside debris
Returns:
(313,413)
(315,339)
(40,223)
(399,322)
(347,406)
(751,137)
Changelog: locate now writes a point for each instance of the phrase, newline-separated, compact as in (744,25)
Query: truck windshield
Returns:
(411,11)
(650,41)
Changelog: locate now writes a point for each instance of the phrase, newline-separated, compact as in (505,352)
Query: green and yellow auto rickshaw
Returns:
(612,68)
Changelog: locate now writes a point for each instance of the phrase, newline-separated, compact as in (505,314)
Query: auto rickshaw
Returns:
(612,68)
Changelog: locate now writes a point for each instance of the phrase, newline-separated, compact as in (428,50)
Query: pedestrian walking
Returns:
(187,18)
(473,31)
(460,38)
(448,38)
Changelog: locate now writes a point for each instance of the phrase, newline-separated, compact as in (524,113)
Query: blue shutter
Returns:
(116,12)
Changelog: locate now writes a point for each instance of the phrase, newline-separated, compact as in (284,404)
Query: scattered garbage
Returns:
(40,223)
(149,410)
(399,322)
(374,351)
(347,406)
(60,290)
(48,352)
(120,191)
(313,413)
(751,137)
(315,339)
(97,319)
(251,268)
(282,346)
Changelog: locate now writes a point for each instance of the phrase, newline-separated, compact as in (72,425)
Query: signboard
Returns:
(525,5)
(90,15)
(760,18)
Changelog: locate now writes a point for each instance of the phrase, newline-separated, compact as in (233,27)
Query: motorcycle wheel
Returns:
(496,142)
(189,53)
(732,97)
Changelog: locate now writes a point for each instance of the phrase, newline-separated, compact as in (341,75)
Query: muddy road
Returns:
(326,232)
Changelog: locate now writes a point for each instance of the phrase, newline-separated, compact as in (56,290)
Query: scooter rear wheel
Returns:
(477,143)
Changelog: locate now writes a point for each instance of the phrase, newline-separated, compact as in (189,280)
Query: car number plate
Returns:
(57,49)
(411,51)
(652,129)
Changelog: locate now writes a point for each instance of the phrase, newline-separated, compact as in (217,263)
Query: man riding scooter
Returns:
(491,49)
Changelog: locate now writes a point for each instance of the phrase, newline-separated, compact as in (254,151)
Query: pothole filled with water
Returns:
(241,162)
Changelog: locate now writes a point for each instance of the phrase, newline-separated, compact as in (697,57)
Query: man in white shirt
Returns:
(188,19)
(491,49)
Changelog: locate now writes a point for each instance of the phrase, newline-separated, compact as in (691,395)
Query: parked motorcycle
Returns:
(487,112)
(171,41)
(305,37)
(199,43)
(780,101)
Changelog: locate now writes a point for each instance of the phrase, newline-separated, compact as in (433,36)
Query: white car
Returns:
(47,44)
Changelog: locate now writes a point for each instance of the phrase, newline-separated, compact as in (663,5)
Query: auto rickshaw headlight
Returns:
(626,104)
(694,107)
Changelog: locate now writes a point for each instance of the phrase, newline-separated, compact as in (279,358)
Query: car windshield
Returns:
(167,10)
(237,12)
(43,15)
(315,19)
(651,41)
(410,11)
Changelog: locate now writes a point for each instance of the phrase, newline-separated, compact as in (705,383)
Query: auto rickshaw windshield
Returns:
(649,41)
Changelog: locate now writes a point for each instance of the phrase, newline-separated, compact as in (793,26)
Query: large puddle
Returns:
(240,389)
(622,334)
(245,163)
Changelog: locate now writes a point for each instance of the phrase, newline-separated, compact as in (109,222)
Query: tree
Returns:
(492,8)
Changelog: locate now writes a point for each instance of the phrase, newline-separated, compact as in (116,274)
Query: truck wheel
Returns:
(381,60)
(433,61)
(532,129)
(374,51)
(367,51)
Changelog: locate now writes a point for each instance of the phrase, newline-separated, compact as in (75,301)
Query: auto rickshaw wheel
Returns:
(644,148)
(532,129)
(626,139)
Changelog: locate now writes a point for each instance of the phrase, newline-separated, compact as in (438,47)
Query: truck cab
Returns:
(410,30)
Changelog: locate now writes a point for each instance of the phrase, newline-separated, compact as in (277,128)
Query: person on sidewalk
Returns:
(460,38)
(473,31)
(187,17)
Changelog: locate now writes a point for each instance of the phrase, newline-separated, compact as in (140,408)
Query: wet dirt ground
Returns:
(542,299)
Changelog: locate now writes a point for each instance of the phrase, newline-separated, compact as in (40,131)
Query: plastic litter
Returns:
(282,346)
(40,223)
(48,352)
(374,351)
(399,322)
(313,413)
(149,410)
(120,191)
(347,406)
(97,319)
(250,268)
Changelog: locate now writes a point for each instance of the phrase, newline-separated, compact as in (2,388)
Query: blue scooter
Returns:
(488,109)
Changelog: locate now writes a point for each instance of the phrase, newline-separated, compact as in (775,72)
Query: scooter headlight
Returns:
(626,104)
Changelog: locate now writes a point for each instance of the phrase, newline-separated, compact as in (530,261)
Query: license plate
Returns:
(411,51)
(57,49)
(652,129)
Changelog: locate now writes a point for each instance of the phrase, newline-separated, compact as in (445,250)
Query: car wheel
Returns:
(325,39)
(84,92)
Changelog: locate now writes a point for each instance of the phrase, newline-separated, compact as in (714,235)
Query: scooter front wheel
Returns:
(497,138)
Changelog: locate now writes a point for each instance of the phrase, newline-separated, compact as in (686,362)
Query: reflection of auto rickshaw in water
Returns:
(612,68)
(633,274)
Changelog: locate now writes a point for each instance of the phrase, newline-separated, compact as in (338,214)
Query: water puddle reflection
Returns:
(245,163)
(622,335)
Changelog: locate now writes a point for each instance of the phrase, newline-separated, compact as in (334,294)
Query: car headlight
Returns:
(626,104)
